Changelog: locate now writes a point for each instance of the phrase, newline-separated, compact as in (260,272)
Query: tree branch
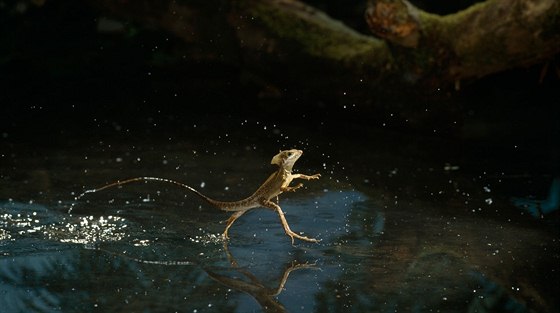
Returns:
(295,49)
(486,38)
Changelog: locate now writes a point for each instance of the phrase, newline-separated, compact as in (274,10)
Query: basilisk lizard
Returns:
(277,183)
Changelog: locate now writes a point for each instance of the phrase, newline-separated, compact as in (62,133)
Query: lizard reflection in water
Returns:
(251,285)
(277,183)
(236,277)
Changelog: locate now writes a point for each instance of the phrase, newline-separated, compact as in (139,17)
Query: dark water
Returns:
(406,224)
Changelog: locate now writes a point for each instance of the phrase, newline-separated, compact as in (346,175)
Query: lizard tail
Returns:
(144,178)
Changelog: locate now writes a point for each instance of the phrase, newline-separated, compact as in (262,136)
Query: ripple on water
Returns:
(207,238)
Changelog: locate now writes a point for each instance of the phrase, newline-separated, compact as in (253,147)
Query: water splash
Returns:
(21,220)
(88,230)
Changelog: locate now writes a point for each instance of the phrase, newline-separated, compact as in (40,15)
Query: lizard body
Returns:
(277,183)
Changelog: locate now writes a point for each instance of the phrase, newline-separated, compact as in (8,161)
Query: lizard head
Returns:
(286,158)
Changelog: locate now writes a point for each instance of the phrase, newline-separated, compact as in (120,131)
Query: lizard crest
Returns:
(287,158)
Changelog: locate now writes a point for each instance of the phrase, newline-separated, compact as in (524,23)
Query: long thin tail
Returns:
(144,178)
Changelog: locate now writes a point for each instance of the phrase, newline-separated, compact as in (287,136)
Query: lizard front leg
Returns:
(288,188)
(306,177)
(285,186)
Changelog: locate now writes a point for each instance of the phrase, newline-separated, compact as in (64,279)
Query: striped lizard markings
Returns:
(277,183)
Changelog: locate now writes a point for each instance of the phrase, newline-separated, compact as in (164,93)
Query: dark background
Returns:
(64,72)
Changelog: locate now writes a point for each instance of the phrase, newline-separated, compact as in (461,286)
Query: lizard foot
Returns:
(300,237)
(225,236)
(294,188)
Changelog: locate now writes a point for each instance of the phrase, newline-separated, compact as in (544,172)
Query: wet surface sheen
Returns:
(403,227)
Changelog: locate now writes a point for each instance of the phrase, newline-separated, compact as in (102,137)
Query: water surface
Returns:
(405,225)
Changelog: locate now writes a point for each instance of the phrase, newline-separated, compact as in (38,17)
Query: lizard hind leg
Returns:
(230,221)
(289,232)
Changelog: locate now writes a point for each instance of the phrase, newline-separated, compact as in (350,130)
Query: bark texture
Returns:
(293,48)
